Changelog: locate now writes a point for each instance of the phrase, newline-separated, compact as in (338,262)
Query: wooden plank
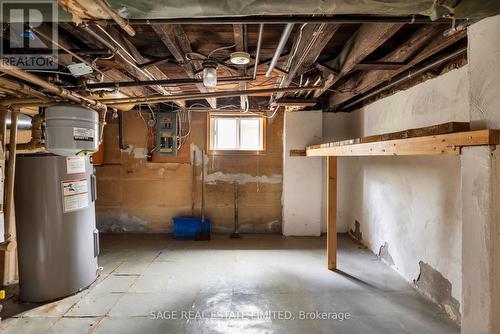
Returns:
(296,102)
(378,65)
(446,144)
(307,47)
(331,234)
(177,42)
(421,45)
(297,153)
(367,39)
(438,129)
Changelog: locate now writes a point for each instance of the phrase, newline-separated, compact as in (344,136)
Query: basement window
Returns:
(236,133)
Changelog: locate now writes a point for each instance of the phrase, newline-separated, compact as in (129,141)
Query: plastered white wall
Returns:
(481,268)
(302,176)
(412,203)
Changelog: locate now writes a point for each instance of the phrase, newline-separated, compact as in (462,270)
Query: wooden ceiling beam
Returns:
(152,71)
(424,43)
(177,42)
(366,40)
(378,65)
(307,46)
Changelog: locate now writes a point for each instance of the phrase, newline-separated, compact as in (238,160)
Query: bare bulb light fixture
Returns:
(209,73)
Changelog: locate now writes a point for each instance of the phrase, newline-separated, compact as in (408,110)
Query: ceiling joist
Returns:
(176,41)
(367,39)
(307,46)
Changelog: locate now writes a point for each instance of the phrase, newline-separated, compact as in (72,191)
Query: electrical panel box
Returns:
(167,138)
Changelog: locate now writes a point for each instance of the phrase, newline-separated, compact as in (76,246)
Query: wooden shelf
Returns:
(445,144)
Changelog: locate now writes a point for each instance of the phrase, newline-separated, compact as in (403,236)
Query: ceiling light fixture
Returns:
(209,73)
(240,58)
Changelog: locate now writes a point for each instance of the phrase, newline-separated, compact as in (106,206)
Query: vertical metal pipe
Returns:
(9,187)
(203,189)
(257,53)
(121,132)
(236,233)
(193,183)
(236,218)
(9,261)
(281,45)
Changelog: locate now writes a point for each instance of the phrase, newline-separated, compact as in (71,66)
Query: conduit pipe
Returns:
(68,51)
(115,50)
(284,38)
(116,17)
(257,53)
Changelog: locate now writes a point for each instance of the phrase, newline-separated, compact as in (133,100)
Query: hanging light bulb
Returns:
(209,73)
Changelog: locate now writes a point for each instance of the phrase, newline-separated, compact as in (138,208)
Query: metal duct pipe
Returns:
(409,75)
(64,93)
(199,96)
(121,132)
(23,121)
(284,38)
(257,53)
(116,17)
(36,134)
(166,82)
(281,19)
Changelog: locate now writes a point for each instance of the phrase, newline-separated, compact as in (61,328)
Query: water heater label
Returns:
(75,202)
(83,134)
(75,165)
(75,194)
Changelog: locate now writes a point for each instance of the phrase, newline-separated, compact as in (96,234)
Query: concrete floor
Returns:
(152,276)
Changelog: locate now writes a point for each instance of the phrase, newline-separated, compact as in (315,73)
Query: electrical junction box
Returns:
(167,137)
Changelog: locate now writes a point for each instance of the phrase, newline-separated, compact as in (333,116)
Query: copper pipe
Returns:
(10,229)
(25,101)
(20,87)
(116,17)
(198,96)
(64,93)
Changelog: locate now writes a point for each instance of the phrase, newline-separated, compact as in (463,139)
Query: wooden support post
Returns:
(332,213)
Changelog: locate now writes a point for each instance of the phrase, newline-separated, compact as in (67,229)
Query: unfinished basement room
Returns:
(250,166)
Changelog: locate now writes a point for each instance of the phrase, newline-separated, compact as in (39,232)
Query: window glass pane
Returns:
(250,134)
(226,134)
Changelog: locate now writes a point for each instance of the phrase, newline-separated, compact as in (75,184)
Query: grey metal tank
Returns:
(58,242)
(71,129)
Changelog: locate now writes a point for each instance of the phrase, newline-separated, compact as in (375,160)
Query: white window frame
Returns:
(212,133)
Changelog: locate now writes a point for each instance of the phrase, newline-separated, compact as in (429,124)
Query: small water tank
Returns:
(71,129)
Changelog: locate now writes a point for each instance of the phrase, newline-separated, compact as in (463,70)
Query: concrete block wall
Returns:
(138,196)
